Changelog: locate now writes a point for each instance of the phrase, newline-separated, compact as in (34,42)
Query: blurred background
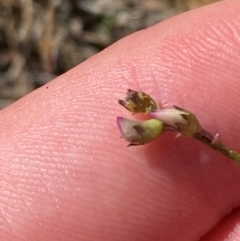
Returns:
(41,39)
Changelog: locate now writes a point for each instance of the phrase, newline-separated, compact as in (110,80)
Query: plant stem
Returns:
(218,146)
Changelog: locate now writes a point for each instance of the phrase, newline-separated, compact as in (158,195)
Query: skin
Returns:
(66,175)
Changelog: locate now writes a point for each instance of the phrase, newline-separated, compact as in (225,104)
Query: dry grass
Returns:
(40,39)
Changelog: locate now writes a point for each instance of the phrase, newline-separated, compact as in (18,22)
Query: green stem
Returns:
(218,146)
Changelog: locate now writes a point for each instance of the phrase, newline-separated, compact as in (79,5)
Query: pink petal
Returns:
(170,117)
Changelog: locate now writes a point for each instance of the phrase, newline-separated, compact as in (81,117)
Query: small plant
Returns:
(174,119)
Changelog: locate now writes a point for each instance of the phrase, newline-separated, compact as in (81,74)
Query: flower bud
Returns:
(139,132)
(183,121)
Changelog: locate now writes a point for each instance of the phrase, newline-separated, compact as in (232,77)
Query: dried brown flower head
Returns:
(138,102)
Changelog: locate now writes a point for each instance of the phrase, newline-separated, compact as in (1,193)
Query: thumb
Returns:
(66,174)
